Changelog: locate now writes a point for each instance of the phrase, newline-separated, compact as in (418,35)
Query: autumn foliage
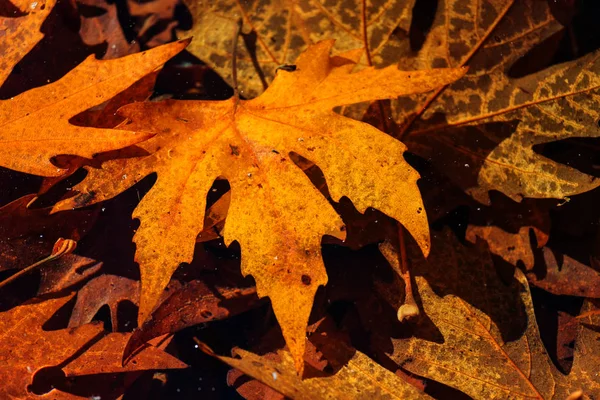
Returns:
(357,199)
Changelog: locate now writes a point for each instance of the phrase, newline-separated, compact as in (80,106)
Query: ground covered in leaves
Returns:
(299,199)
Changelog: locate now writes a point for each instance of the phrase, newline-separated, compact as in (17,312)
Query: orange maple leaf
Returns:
(276,214)
(27,348)
(34,126)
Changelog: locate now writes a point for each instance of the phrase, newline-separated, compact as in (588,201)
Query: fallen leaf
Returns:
(565,276)
(482,130)
(275,214)
(107,290)
(27,235)
(100,24)
(27,348)
(277,32)
(480,335)
(508,228)
(192,304)
(35,124)
(66,272)
(360,378)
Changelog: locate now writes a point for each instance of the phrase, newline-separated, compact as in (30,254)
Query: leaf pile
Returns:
(368,198)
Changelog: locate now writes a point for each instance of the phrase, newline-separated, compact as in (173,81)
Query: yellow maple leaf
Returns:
(276,214)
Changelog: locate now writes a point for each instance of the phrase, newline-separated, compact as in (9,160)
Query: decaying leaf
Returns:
(481,336)
(276,214)
(276,32)
(565,276)
(27,235)
(35,124)
(192,304)
(27,348)
(107,290)
(509,228)
(360,378)
(481,130)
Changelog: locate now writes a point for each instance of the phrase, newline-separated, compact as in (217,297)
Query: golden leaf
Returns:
(275,213)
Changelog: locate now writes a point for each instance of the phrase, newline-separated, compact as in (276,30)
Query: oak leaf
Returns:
(27,348)
(276,214)
(480,335)
(35,125)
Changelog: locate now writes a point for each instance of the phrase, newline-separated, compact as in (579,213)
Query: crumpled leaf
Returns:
(481,130)
(480,335)
(27,348)
(35,124)
(275,214)
(276,32)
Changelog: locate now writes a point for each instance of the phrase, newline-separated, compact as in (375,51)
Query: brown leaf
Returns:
(508,227)
(481,130)
(277,31)
(192,304)
(481,337)
(27,348)
(66,272)
(360,378)
(104,290)
(100,24)
(566,277)
(28,235)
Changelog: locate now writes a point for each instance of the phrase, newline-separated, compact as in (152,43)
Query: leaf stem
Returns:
(409,309)
(364,32)
(236,35)
(61,247)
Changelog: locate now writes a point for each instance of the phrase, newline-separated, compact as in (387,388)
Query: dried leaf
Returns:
(360,378)
(275,214)
(508,228)
(66,272)
(27,348)
(104,290)
(276,32)
(481,130)
(570,278)
(480,335)
(100,24)
(27,235)
(35,124)
(192,304)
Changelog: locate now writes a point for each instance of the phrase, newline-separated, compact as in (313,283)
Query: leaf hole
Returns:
(306,280)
